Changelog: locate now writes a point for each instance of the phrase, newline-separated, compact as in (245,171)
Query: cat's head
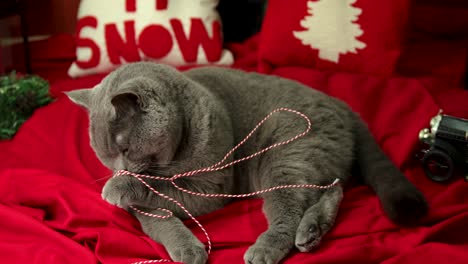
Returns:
(135,118)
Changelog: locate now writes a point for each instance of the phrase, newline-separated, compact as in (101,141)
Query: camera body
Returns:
(447,141)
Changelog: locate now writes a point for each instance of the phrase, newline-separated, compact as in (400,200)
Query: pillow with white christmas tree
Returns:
(363,36)
(175,32)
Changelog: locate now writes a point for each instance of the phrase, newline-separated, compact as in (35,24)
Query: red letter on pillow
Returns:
(88,21)
(198,36)
(117,47)
(161,4)
(155,41)
(130,5)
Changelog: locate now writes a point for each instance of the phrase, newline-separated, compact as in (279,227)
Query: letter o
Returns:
(155,41)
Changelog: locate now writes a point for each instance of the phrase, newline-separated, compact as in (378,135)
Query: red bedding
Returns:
(51,210)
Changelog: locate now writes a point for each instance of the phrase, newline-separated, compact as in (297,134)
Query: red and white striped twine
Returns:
(217,167)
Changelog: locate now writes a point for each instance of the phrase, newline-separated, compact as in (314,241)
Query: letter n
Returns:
(118,47)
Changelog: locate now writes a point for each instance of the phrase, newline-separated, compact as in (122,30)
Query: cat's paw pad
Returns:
(308,236)
(190,254)
(120,191)
(263,255)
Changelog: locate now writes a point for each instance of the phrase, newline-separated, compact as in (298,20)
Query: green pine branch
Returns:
(19,97)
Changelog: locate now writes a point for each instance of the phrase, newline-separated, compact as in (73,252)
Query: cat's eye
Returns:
(124,151)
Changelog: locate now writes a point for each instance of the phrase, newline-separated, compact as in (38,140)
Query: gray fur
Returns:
(152,119)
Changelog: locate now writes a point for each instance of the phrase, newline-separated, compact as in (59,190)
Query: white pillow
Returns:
(174,32)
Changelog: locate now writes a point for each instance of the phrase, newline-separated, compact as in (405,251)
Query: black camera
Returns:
(447,141)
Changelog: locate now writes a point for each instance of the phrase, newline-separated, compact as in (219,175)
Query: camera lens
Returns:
(438,165)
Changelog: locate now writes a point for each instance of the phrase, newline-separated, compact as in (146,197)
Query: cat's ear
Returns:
(130,98)
(127,103)
(80,97)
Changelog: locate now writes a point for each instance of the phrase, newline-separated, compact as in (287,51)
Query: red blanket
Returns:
(51,210)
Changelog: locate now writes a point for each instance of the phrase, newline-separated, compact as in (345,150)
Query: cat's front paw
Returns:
(257,254)
(189,254)
(121,191)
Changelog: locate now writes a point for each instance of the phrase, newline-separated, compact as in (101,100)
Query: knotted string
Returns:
(217,167)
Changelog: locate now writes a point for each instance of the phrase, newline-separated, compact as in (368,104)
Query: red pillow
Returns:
(352,35)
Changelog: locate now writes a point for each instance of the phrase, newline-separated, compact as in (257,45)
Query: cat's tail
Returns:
(400,199)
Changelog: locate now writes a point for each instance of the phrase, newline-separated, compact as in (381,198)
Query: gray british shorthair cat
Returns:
(152,119)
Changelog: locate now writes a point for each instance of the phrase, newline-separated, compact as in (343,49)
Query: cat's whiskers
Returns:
(168,164)
(158,166)
(159,173)
(102,178)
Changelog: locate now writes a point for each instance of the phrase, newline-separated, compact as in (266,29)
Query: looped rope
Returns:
(217,167)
